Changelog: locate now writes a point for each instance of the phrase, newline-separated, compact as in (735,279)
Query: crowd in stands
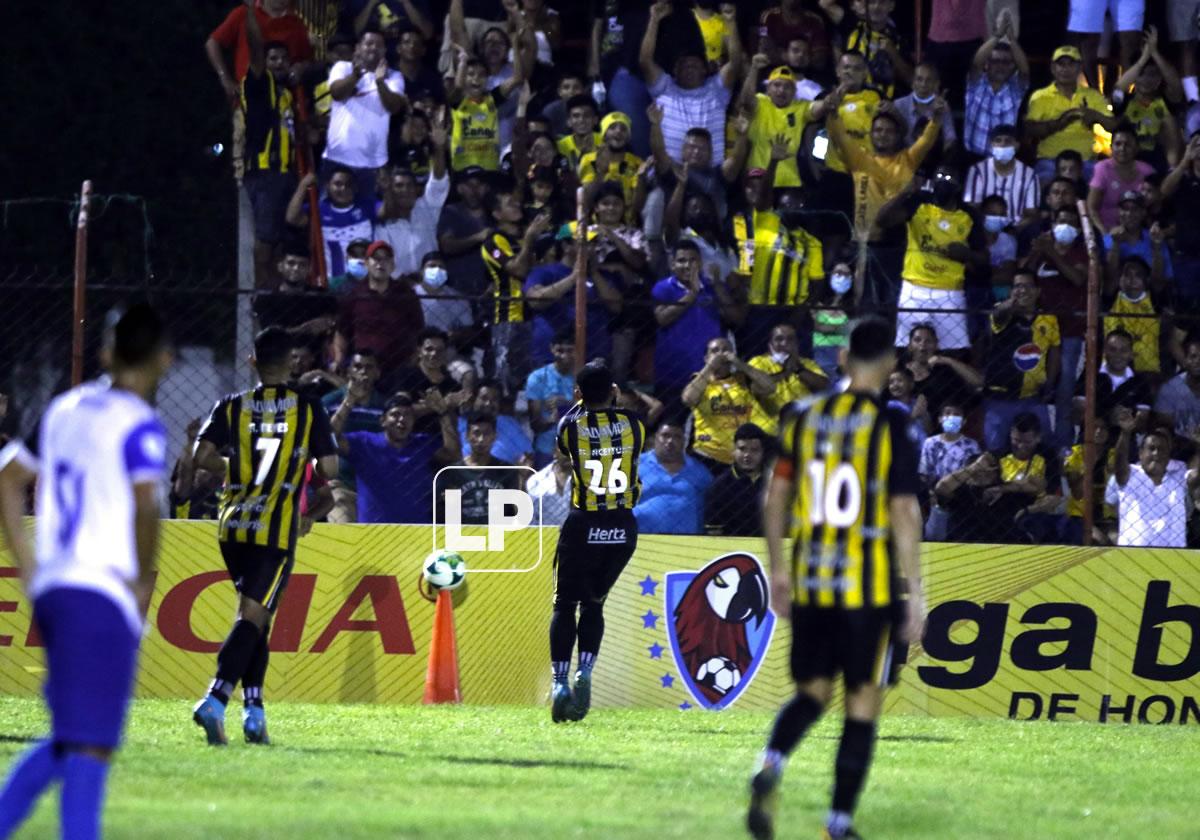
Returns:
(732,184)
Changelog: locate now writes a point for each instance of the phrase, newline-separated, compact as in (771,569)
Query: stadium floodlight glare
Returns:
(499,522)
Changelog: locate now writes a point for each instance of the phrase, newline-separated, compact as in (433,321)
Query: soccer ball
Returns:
(719,673)
(445,569)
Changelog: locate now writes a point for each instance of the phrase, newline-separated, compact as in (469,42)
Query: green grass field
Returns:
(473,772)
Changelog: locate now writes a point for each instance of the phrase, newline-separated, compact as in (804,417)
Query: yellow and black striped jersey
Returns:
(848,454)
(604,447)
(269,435)
(507,291)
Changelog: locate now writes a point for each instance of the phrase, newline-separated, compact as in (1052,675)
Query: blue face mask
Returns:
(952,424)
(356,268)
(840,282)
(1003,154)
(994,224)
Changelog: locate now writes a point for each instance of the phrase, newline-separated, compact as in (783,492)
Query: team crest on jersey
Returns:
(1026,357)
(719,626)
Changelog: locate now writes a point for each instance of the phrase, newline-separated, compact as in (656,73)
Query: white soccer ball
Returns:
(718,673)
(445,569)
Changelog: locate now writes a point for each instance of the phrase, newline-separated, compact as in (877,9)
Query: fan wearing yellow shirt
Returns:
(475,116)
(1060,116)
(583,114)
(724,395)
(856,110)
(795,376)
(778,113)
(616,163)
(713,29)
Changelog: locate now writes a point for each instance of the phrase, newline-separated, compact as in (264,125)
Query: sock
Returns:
(591,629)
(587,661)
(256,671)
(792,722)
(82,796)
(220,690)
(1191,89)
(853,761)
(561,670)
(29,777)
(562,632)
(839,823)
(235,654)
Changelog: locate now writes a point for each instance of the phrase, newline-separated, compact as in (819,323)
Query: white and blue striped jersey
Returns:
(94,443)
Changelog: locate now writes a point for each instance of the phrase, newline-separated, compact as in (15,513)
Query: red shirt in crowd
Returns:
(289,29)
(386,322)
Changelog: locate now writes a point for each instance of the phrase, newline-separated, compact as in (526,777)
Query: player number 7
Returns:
(270,448)
(617,482)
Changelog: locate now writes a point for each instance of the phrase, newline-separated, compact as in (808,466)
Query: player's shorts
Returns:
(593,549)
(259,573)
(91,659)
(1088,15)
(1183,19)
(858,644)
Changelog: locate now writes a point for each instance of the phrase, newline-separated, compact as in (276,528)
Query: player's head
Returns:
(273,354)
(870,355)
(137,347)
(594,385)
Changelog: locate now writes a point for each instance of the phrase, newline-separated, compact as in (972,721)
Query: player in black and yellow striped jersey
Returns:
(845,488)
(600,533)
(266,436)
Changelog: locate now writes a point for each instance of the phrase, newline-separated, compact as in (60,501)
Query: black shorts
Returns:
(862,645)
(593,549)
(258,572)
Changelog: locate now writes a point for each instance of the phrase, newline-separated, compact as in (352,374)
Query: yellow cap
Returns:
(784,73)
(1067,52)
(614,117)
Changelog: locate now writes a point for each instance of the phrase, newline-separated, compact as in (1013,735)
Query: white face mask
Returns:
(1003,154)
(952,424)
(435,276)
(779,358)
(356,268)
(1134,298)
(924,100)
(1065,234)
(840,282)
(994,224)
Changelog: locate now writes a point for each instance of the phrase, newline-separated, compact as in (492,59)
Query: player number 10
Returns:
(837,502)
(617,482)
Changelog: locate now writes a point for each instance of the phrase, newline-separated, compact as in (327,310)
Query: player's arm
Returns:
(905,514)
(146,524)
(16,476)
(776,522)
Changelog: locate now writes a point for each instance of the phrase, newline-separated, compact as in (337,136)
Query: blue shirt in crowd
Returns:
(542,384)
(395,484)
(671,504)
(679,350)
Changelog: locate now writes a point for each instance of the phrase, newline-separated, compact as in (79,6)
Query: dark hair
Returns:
(476,62)
(1004,129)
(339,169)
(924,325)
(432,255)
(569,73)
(1118,333)
(499,29)
(370,30)
(609,189)
(1069,154)
(903,370)
(1126,127)
(1026,271)
(871,339)
(685,245)
(1026,422)
(702,133)
(749,431)
(672,418)
(564,336)
(1191,338)
(296,246)
(855,54)
(474,417)
(275,45)
(273,346)
(365,352)
(1058,179)
(583,100)
(595,382)
(991,199)
(138,335)
(432,332)
(1135,260)
(1158,431)
(893,117)
(400,398)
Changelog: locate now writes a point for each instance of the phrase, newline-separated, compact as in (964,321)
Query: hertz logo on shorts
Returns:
(601,536)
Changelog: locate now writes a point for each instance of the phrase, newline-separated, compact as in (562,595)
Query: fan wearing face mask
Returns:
(831,319)
(1133,310)
(795,376)
(1001,245)
(356,267)
(1000,173)
(941,455)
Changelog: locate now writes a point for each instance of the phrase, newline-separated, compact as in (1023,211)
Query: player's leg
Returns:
(568,592)
(254,716)
(813,668)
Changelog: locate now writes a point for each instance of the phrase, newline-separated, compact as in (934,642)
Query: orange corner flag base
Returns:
(441,679)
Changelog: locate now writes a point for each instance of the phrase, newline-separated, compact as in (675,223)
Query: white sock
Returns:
(773,760)
(1191,89)
(839,823)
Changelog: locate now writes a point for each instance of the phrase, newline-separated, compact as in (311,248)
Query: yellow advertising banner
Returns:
(1063,633)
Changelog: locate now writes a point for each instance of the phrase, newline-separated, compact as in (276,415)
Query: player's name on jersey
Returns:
(268,428)
(845,425)
(838,584)
(607,430)
(236,525)
(271,406)
(608,450)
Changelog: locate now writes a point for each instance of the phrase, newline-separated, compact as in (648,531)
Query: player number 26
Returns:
(617,481)
(837,501)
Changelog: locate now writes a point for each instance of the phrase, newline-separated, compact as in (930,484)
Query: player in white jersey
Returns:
(99,457)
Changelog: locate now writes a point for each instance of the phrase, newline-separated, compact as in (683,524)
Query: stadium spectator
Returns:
(409,217)
(873,34)
(345,215)
(1073,474)
(476,484)
(793,376)
(1001,245)
(409,144)
(855,114)
(550,390)
(724,395)
(937,377)
(364,415)
(673,485)
(615,164)
(366,92)
(443,307)
(781,27)
(1177,406)
(395,458)
(1000,173)
(462,228)
(513,443)
(1133,310)
(1131,238)
(1115,177)
(203,498)
(1087,22)
(1154,496)
(569,85)
(1154,82)
(688,309)
(430,373)
(1182,188)
(1022,361)
(644,404)
(293,303)
(902,396)
(778,114)
(941,454)
(693,217)
(733,503)
(1060,116)
(996,87)
(697,173)
(381,314)
(355,267)
(920,108)
(690,97)
(583,119)
(410,15)
(1118,384)
(956,31)
(551,488)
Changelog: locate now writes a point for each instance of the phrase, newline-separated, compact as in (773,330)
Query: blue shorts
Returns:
(91,659)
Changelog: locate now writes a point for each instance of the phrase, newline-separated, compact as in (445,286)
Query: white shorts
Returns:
(1181,19)
(1088,15)
(951,327)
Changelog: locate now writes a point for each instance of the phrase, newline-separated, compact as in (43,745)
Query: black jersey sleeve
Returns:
(902,478)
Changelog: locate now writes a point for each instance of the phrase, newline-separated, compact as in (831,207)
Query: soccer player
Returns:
(846,485)
(600,534)
(268,435)
(99,458)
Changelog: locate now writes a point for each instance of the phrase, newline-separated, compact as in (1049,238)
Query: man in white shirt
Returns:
(1003,175)
(409,218)
(1152,497)
(365,92)
(99,458)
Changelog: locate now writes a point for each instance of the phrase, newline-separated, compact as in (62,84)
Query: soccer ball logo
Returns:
(444,569)
(719,674)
